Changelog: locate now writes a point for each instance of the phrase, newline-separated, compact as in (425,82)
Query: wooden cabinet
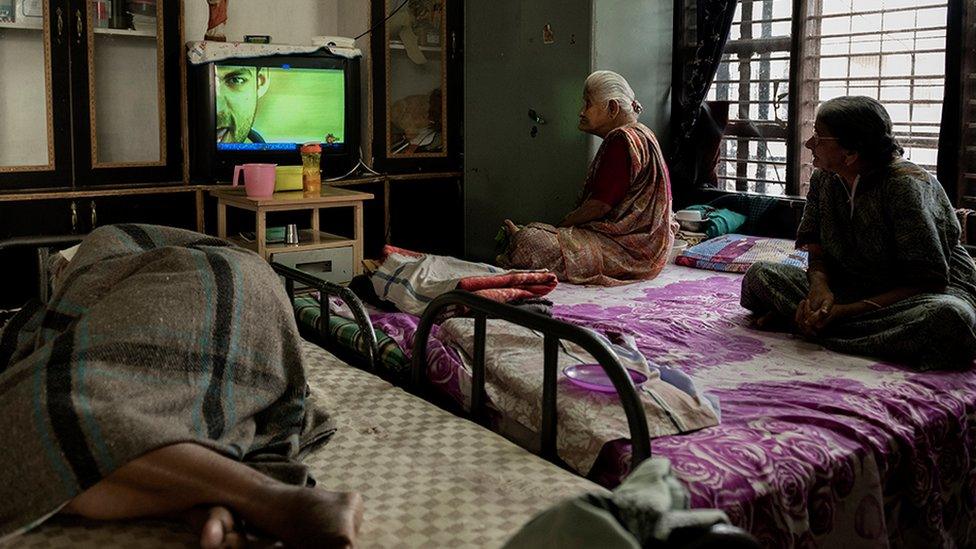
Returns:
(35,111)
(422,212)
(78,212)
(92,94)
(90,121)
(416,59)
(428,213)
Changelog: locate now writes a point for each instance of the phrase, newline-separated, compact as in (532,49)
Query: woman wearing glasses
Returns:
(887,275)
(622,228)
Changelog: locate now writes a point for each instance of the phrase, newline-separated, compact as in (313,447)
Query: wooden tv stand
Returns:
(309,239)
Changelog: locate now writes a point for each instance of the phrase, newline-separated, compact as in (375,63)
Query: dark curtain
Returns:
(949,129)
(694,75)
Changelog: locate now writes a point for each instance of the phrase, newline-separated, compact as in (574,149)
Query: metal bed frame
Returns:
(715,537)
(326,289)
(553,331)
(43,245)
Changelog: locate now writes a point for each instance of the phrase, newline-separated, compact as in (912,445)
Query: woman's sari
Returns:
(631,242)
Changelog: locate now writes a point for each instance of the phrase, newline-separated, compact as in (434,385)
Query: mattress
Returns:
(814,447)
(428,478)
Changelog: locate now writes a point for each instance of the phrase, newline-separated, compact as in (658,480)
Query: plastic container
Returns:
(288,178)
(594,378)
(311,168)
(688,215)
(102,13)
(690,220)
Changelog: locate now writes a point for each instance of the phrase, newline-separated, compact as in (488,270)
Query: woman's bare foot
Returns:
(512,228)
(772,322)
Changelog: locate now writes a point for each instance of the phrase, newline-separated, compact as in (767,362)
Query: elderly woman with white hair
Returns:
(887,275)
(622,228)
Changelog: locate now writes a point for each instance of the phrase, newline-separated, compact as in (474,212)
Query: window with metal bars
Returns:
(785,57)
(967,150)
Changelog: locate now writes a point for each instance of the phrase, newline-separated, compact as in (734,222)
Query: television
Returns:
(262,109)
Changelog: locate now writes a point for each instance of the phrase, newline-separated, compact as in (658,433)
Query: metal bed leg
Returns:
(550,375)
(478,370)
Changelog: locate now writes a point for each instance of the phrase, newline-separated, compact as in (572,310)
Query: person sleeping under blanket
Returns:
(623,228)
(164,378)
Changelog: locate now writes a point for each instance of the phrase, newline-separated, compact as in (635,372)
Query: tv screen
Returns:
(261,108)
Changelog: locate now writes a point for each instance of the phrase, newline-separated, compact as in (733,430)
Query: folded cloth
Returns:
(691,238)
(510,286)
(411,280)
(643,511)
(534,305)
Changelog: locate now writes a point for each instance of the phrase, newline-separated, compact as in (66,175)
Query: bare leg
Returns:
(185,476)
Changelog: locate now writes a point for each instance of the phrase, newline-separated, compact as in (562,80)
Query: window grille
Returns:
(891,50)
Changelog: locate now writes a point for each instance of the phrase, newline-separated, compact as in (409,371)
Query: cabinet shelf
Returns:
(30,24)
(397,45)
(144,33)
(307,240)
(37,24)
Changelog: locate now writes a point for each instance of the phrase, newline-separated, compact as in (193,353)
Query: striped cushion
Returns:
(348,335)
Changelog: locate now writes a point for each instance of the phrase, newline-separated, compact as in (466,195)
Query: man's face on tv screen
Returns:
(238,91)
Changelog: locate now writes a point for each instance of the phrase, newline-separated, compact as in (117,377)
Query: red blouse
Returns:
(612,178)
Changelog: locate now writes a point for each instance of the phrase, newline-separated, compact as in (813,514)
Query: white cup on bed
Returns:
(676,249)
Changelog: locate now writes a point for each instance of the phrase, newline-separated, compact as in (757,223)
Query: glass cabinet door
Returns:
(26,106)
(127,110)
(416,77)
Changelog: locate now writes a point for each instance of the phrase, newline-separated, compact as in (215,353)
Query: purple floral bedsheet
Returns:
(815,448)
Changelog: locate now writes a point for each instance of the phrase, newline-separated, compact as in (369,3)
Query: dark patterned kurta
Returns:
(901,231)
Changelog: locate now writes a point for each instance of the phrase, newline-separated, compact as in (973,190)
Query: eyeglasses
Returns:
(816,139)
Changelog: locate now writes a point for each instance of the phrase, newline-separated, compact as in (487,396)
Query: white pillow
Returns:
(57,265)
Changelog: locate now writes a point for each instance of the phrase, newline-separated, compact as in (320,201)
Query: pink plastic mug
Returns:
(259,179)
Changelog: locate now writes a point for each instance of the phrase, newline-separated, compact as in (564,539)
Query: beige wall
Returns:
(287,21)
(353,20)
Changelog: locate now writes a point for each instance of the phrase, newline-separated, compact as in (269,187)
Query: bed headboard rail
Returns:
(325,290)
(553,331)
(43,244)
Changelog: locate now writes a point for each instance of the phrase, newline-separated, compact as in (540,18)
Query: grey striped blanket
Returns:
(155,336)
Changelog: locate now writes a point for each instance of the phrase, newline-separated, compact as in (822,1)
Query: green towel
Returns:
(643,511)
(719,221)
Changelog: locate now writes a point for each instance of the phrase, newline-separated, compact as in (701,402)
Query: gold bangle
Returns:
(869,302)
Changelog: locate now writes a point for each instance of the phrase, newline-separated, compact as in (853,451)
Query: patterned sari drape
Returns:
(694,74)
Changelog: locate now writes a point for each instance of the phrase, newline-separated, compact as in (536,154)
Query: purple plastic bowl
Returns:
(594,378)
